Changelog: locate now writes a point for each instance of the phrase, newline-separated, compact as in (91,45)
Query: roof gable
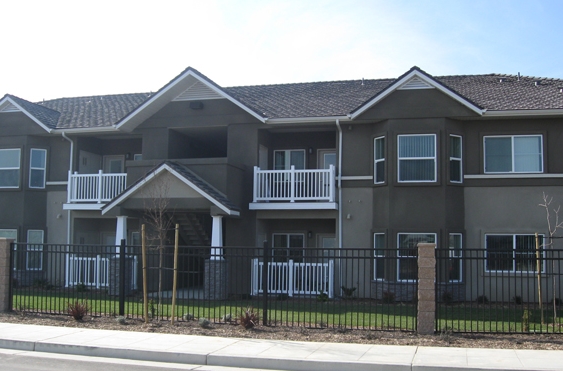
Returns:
(182,87)
(45,117)
(415,78)
(183,175)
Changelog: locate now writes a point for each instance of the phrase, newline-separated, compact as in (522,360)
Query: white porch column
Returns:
(120,231)
(217,238)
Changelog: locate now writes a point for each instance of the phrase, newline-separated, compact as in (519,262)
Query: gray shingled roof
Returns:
(492,92)
(46,115)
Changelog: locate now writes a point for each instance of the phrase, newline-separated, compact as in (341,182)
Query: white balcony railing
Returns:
(98,187)
(294,185)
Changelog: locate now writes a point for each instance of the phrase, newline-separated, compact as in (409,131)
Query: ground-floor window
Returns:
(455,258)
(407,253)
(34,253)
(512,253)
(288,246)
(379,256)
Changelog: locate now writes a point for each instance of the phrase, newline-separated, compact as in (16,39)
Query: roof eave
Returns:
(525,113)
(306,120)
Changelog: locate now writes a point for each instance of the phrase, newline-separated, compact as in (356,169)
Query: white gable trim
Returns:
(421,79)
(171,92)
(9,107)
(153,175)
(10,102)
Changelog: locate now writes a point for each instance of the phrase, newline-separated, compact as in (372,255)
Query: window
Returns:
(284,160)
(379,256)
(379,159)
(34,253)
(417,158)
(9,233)
(454,261)
(512,253)
(513,154)
(10,168)
(288,246)
(456,171)
(407,246)
(37,166)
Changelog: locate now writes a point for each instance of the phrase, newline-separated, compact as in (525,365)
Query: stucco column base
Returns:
(426,304)
(215,280)
(5,274)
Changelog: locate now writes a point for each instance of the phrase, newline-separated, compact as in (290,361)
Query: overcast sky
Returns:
(54,49)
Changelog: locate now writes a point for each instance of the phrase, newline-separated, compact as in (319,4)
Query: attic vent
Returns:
(197,91)
(9,108)
(415,83)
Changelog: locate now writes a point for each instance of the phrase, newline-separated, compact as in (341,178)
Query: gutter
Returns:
(339,183)
(71,164)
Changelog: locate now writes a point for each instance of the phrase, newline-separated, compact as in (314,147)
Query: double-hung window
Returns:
(417,158)
(379,256)
(512,253)
(407,253)
(34,253)
(455,260)
(379,160)
(456,170)
(37,167)
(513,154)
(10,168)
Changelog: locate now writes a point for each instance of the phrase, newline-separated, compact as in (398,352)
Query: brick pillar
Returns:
(426,311)
(5,274)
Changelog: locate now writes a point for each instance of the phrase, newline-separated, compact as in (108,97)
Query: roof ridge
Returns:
(309,82)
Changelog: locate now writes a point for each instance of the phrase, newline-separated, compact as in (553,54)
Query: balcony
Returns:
(294,189)
(93,190)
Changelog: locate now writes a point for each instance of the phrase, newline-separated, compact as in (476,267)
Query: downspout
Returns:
(71,164)
(339,177)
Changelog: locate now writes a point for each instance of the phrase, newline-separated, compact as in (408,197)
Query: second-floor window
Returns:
(379,160)
(417,158)
(456,171)
(285,159)
(37,167)
(513,154)
(10,168)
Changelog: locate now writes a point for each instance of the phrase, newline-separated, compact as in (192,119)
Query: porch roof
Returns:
(184,175)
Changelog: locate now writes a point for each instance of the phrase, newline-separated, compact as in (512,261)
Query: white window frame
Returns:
(377,160)
(34,168)
(456,159)
(404,257)
(287,159)
(288,235)
(378,252)
(512,137)
(514,254)
(400,159)
(459,257)
(18,168)
(34,248)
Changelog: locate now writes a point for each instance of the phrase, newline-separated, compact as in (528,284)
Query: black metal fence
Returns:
(498,289)
(315,288)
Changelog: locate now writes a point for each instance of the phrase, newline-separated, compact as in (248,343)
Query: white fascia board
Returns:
(525,113)
(426,79)
(105,129)
(130,120)
(46,128)
(151,176)
(514,176)
(83,206)
(306,120)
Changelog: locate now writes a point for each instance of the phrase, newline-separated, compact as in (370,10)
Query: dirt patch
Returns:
(446,339)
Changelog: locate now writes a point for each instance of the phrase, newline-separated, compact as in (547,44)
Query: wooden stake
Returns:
(175,282)
(145,288)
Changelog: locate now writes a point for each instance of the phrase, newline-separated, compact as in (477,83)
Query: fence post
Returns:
(122,278)
(5,272)
(426,308)
(265,283)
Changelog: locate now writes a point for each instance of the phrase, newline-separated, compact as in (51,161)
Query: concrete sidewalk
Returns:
(268,354)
